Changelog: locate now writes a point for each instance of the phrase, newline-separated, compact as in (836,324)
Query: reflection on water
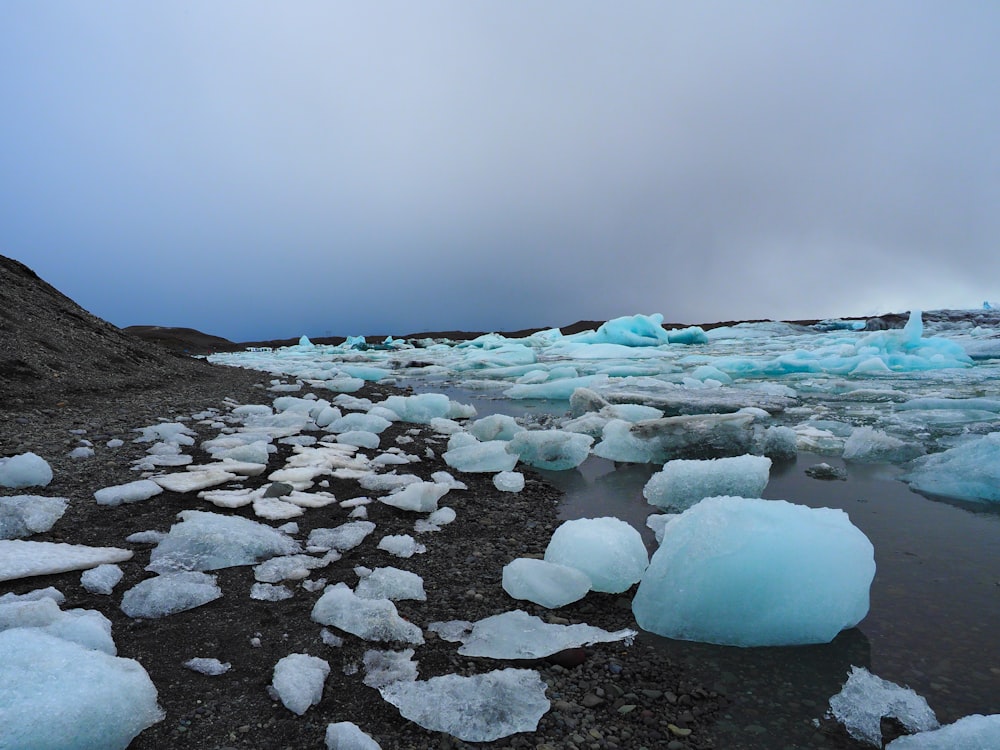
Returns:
(935,602)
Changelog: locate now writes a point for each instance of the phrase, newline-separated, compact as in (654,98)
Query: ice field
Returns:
(682,455)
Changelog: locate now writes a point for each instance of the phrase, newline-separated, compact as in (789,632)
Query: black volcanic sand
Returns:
(603,697)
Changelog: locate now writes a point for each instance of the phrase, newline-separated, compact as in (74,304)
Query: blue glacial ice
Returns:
(40,611)
(683,482)
(546,583)
(488,457)
(865,699)
(555,450)
(970,471)
(607,550)
(976,732)
(751,572)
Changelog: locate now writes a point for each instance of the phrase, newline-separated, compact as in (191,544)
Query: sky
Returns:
(262,170)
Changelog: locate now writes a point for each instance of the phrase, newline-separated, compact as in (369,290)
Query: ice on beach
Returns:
(346,735)
(82,451)
(131,492)
(401,545)
(269,592)
(24,470)
(169,594)
(298,681)
(23,559)
(546,583)
(683,482)
(488,457)
(357,421)
(24,515)
(192,481)
(752,572)
(869,445)
(102,579)
(550,449)
(518,635)
(369,619)
(509,481)
(688,436)
(209,541)
(40,611)
(434,522)
(291,567)
(342,538)
(207,666)
(166,432)
(255,452)
(59,694)
(970,471)
(609,551)
(480,708)
(421,497)
(495,427)
(386,667)
(975,732)
(424,407)
(391,583)
(275,509)
(865,699)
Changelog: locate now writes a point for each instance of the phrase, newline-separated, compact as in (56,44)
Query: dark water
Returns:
(935,603)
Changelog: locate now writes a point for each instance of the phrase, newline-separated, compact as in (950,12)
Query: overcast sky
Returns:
(260,170)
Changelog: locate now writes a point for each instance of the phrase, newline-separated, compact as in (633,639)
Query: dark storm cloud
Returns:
(253,172)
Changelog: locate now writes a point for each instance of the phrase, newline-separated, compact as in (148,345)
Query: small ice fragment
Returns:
(102,579)
(268,592)
(24,515)
(24,470)
(385,667)
(298,681)
(401,545)
(346,735)
(131,492)
(865,699)
(206,666)
(370,619)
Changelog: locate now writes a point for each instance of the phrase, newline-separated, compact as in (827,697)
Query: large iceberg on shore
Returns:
(751,572)
(607,550)
(683,482)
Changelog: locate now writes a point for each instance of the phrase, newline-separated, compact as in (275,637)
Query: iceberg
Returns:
(488,457)
(865,699)
(481,708)
(751,572)
(632,330)
(424,407)
(683,482)
(546,583)
(550,449)
(607,550)
(298,681)
(688,436)
(970,471)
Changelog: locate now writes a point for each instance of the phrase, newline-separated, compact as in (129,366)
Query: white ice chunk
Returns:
(970,471)
(401,545)
(509,481)
(170,593)
(275,509)
(443,477)
(192,481)
(421,497)
(495,427)
(385,667)
(298,681)
(865,699)
(976,732)
(24,470)
(85,627)
(346,735)
(370,619)
(24,515)
(102,579)
(391,583)
(209,541)
(360,439)
(167,432)
(551,449)
(291,567)
(868,445)
(518,635)
(207,666)
(480,708)
(82,451)
(683,482)
(131,492)
(546,583)
(58,694)
(424,407)
(491,456)
(751,572)
(658,522)
(342,538)
(23,559)
(608,550)
(254,453)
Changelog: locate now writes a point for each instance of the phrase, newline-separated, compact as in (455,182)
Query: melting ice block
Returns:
(102,579)
(480,708)
(207,666)
(345,537)
(24,515)
(495,427)
(24,470)
(751,572)
(131,492)
(391,583)
(298,681)
(58,694)
(192,481)
(40,611)
(970,471)
(865,699)
(169,594)
(868,445)
(346,735)
(609,551)
(509,481)
(23,559)
(370,619)
(518,635)
(551,449)
(976,732)
(683,482)
(546,583)
(491,456)
(421,497)
(687,436)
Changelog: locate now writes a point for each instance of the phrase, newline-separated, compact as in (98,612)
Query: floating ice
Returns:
(385,667)
(607,550)
(480,708)
(970,471)
(102,579)
(491,457)
(401,545)
(868,445)
(518,635)
(370,619)
(207,666)
(23,559)
(421,497)
(346,735)
(24,515)
(682,483)
(209,541)
(169,594)
(632,330)
(131,492)
(751,572)
(554,390)
(546,583)
(658,522)
(550,449)
(342,538)
(689,436)
(865,699)
(391,583)
(58,694)
(24,470)
(509,481)
(976,732)
(298,681)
